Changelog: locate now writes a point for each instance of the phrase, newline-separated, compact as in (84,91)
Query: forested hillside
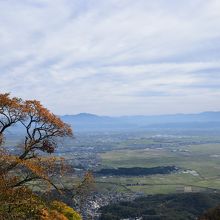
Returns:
(165,207)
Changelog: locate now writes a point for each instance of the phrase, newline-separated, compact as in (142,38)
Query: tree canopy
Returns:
(19,171)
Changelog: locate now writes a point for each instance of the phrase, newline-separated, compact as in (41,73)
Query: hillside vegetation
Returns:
(164,207)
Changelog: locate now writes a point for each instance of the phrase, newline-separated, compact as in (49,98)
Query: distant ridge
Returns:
(92,122)
(82,115)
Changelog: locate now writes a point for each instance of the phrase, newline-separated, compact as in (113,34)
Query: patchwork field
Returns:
(200,168)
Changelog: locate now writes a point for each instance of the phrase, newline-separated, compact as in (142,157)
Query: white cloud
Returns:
(112,57)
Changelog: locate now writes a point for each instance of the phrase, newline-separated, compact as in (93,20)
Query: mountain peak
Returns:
(85,114)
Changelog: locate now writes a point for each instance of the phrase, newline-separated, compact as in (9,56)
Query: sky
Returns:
(112,57)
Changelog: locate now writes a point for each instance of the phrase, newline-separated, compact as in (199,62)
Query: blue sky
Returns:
(112,57)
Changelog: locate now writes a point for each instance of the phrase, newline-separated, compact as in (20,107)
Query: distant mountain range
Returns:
(91,122)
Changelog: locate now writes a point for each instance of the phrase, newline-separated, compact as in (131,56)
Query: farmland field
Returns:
(199,168)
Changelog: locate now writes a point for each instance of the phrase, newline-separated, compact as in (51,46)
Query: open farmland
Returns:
(199,164)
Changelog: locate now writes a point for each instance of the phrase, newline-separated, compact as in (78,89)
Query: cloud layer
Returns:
(112,57)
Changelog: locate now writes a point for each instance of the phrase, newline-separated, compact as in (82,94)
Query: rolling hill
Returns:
(91,122)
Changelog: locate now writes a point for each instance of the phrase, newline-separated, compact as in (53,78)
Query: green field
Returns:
(203,159)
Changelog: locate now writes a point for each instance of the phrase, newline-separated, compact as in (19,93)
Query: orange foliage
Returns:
(42,128)
(10,112)
(84,189)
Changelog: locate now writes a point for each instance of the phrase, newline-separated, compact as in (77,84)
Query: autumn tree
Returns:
(83,191)
(11,112)
(42,132)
